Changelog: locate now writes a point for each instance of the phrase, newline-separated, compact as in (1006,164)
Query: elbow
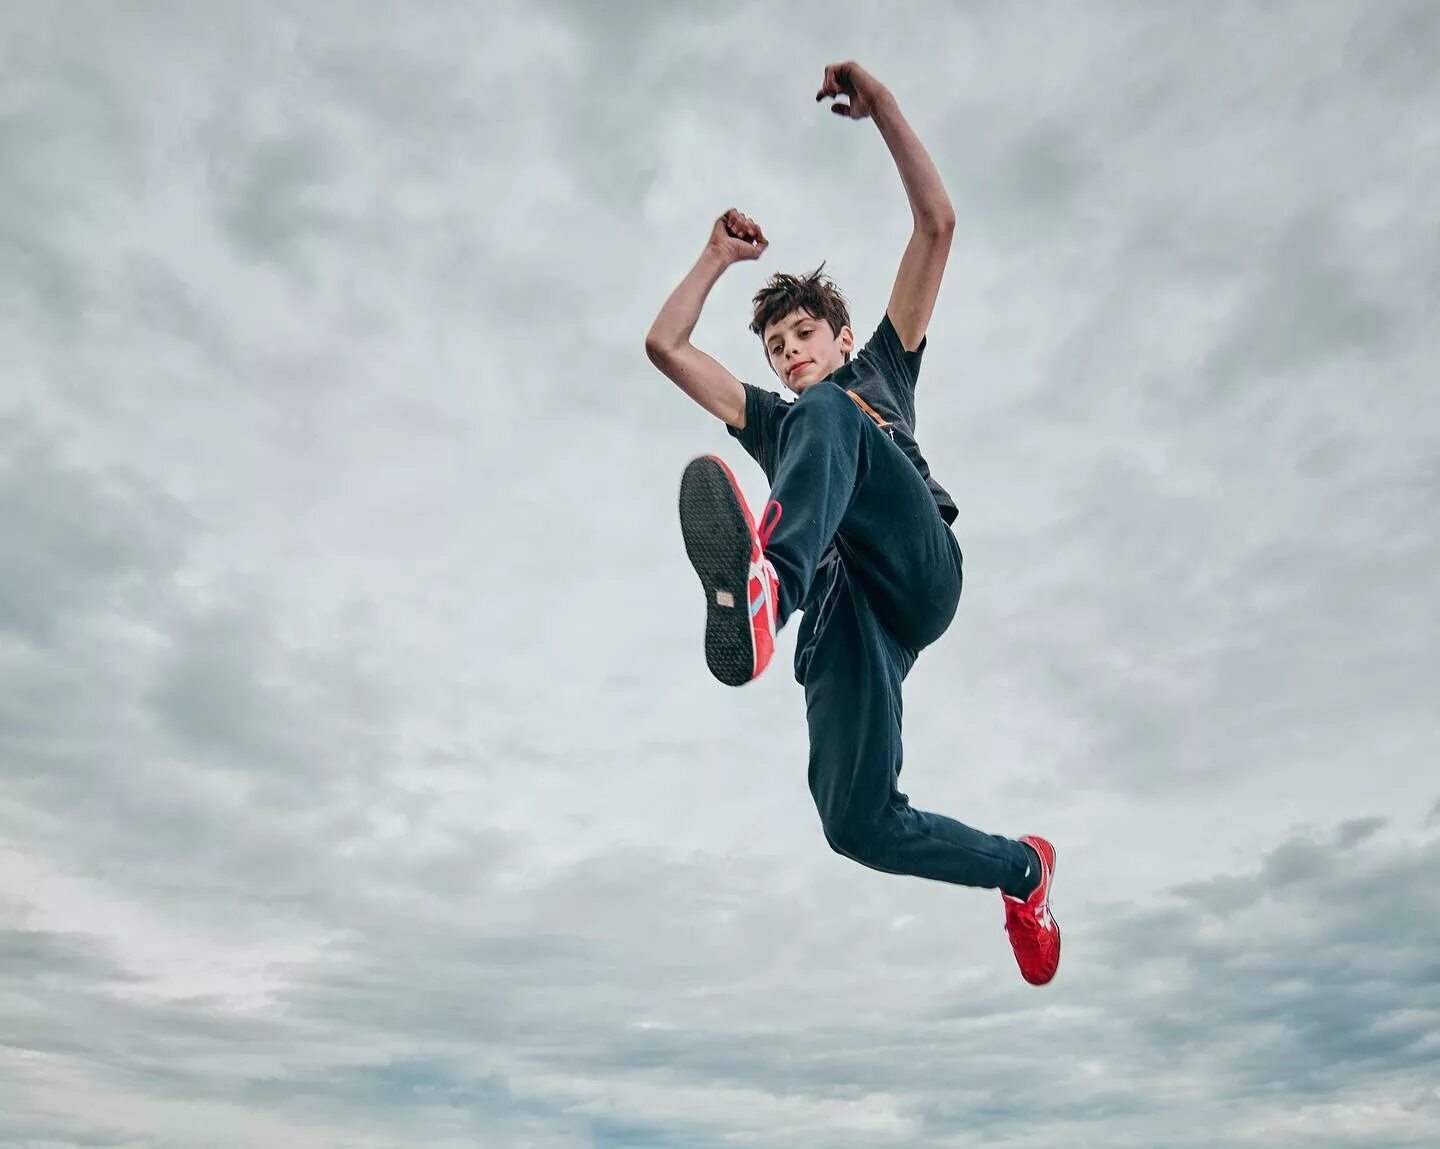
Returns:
(939,223)
(658,348)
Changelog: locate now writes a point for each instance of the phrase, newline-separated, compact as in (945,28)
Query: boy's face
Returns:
(803,350)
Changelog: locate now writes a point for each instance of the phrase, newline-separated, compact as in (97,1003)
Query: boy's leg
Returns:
(852,675)
(841,479)
(893,592)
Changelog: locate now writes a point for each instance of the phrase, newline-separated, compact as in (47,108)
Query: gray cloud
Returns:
(1307,310)
(1226,992)
(83,542)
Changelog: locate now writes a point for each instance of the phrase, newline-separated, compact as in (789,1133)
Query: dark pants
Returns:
(862,548)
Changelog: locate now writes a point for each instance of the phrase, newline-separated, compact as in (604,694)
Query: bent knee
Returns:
(853,838)
(824,396)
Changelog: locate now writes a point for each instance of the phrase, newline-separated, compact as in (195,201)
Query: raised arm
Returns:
(922,267)
(734,237)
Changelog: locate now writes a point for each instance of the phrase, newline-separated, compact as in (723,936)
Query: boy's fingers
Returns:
(740,226)
(828,86)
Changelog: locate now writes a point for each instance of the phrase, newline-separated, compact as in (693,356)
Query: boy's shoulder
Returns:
(884,373)
(885,352)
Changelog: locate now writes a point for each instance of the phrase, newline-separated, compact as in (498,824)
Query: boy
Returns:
(856,533)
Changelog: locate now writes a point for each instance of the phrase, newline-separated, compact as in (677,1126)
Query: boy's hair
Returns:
(814,292)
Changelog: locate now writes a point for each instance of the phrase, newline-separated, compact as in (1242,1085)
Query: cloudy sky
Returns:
(361,781)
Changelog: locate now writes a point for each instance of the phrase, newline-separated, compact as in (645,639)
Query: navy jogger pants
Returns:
(887,589)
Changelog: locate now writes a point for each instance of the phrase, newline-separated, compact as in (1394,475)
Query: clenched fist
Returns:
(736,236)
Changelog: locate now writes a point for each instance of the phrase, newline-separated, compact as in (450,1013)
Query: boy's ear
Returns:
(847,340)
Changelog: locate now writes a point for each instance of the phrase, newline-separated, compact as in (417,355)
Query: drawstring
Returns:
(767,524)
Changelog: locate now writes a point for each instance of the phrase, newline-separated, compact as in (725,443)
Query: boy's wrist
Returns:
(883,104)
(714,260)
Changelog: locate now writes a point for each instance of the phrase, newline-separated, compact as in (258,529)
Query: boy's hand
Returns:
(736,236)
(850,79)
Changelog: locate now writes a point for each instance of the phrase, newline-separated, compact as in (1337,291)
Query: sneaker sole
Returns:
(717,542)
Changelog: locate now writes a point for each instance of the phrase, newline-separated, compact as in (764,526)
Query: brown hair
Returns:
(814,292)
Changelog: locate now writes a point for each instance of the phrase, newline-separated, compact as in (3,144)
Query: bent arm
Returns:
(668,345)
(917,283)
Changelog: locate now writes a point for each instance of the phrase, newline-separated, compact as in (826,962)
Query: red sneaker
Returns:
(1034,934)
(742,592)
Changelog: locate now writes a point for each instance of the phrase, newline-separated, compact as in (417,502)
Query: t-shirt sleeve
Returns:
(897,364)
(758,434)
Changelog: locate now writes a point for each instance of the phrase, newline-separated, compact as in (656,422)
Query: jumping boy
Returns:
(856,533)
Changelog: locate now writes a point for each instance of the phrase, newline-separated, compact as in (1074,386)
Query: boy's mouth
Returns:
(797,368)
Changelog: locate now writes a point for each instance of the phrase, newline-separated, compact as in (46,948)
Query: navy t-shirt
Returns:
(883,374)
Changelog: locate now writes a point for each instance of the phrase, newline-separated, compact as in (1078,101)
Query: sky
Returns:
(361,780)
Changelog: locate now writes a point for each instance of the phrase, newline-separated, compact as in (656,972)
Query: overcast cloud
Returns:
(361,780)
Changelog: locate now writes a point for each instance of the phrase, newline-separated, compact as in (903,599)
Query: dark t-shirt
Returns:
(882,373)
